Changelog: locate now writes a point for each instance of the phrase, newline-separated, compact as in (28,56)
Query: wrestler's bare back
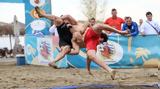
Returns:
(80,27)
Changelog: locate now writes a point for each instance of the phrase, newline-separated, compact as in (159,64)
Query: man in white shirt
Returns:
(149,27)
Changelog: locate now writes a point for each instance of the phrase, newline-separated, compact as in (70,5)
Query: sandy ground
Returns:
(40,77)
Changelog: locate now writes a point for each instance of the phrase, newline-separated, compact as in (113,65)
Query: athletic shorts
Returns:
(64,42)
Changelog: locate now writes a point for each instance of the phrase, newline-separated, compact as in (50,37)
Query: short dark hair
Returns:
(104,36)
(114,9)
(148,13)
(127,17)
(92,18)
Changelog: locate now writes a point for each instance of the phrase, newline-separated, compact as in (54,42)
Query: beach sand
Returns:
(39,77)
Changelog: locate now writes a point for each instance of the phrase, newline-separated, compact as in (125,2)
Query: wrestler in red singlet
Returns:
(91,39)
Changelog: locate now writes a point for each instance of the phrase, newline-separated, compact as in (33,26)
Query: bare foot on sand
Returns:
(90,74)
(53,65)
(113,74)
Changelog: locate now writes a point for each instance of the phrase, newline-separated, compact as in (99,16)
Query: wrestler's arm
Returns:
(76,39)
(50,17)
(75,50)
(99,27)
(70,19)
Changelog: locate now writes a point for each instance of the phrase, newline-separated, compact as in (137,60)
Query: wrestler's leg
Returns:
(64,50)
(88,66)
(48,16)
(70,19)
(92,55)
(99,27)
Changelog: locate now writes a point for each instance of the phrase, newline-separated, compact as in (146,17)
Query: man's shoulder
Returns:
(108,20)
(144,23)
(155,22)
(134,23)
(125,24)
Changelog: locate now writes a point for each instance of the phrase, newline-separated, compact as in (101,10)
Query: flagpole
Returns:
(16,32)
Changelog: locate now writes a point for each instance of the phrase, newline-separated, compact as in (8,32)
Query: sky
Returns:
(134,8)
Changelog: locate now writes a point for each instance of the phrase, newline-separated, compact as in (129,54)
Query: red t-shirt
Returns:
(116,23)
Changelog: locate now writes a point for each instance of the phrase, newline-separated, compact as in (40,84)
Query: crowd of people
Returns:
(148,27)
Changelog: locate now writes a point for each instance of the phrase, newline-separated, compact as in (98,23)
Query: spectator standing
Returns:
(131,27)
(150,27)
(114,21)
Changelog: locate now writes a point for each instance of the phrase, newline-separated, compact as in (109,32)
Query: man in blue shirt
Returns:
(130,26)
